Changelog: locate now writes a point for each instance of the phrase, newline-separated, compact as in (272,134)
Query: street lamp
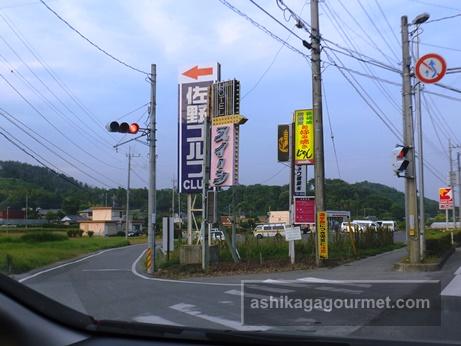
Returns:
(417,21)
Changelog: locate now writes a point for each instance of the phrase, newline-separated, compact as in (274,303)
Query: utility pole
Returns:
(27,208)
(411,219)
(459,186)
(152,198)
(205,183)
(319,168)
(127,218)
(172,197)
(419,131)
(451,182)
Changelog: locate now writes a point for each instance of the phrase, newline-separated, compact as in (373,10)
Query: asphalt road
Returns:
(112,285)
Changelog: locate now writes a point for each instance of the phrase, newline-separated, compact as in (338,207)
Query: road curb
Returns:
(424,267)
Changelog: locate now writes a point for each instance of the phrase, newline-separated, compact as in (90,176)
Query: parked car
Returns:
(390,225)
(216,234)
(270,230)
(134,233)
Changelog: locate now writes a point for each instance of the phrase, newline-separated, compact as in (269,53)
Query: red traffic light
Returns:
(124,127)
(134,128)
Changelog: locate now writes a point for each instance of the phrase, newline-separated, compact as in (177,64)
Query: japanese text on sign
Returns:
(322,227)
(304,137)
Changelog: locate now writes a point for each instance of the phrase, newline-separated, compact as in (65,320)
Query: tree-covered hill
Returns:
(47,190)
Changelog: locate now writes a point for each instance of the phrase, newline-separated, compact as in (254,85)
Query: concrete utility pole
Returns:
(451,182)
(152,198)
(411,219)
(206,177)
(319,168)
(127,217)
(27,209)
(459,187)
(419,131)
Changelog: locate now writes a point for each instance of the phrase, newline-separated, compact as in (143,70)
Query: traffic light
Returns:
(115,126)
(400,160)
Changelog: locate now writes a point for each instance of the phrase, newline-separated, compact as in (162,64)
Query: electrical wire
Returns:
(52,124)
(389,26)
(92,43)
(91,117)
(431,117)
(30,152)
(378,30)
(441,47)
(14,120)
(442,120)
(271,63)
(264,29)
(332,136)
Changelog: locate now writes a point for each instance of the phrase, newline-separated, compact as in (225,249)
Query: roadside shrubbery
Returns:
(33,237)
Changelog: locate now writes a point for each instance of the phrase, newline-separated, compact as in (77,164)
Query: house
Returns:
(72,219)
(107,221)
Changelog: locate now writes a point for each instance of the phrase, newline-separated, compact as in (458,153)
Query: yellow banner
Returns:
(304,137)
(322,228)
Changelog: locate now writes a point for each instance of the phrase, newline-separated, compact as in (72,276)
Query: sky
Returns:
(86,89)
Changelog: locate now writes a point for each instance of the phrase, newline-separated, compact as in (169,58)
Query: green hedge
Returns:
(438,246)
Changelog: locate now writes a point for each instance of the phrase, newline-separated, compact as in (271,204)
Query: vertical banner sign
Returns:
(223,155)
(283,143)
(193,104)
(304,210)
(300,188)
(304,137)
(323,234)
(445,198)
(225,106)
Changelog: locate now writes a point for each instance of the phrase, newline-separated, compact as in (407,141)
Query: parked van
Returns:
(390,225)
(353,227)
(269,230)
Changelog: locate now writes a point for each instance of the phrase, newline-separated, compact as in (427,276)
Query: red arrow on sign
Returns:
(195,72)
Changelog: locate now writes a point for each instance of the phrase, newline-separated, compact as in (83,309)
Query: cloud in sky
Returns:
(173,34)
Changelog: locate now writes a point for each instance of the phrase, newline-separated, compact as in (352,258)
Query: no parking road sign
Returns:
(430,68)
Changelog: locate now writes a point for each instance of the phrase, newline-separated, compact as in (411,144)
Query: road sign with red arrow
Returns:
(199,73)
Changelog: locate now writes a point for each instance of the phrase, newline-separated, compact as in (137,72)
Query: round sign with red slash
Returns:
(430,68)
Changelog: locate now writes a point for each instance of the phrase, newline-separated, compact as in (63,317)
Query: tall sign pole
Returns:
(451,182)
(319,169)
(411,219)
(152,198)
(459,186)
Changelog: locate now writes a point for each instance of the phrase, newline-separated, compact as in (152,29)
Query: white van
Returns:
(353,227)
(390,225)
(269,230)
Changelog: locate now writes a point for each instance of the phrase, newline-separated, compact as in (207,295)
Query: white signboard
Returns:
(293,233)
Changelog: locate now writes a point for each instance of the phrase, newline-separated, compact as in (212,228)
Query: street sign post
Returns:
(430,68)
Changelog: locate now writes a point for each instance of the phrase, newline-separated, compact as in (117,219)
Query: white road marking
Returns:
(269,289)
(135,272)
(153,319)
(226,302)
(69,263)
(453,289)
(287,283)
(193,311)
(247,295)
(105,270)
(458,272)
(334,289)
(340,282)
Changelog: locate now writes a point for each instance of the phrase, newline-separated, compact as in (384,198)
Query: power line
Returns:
(33,154)
(91,42)
(377,30)
(93,118)
(438,46)
(8,116)
(263,28)
(331,130)
(438,5)
(442,95)
(389,26)
(448,87)
(271,63)
(51,123)
(429,111)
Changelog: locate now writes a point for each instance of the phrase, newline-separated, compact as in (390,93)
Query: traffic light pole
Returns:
(319,168)
(411,219)
(152,198)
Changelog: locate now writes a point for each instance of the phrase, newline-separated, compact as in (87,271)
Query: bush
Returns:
(72,233)
(80,233)
(42,237)
(438,246)
(120,234)
(90,233)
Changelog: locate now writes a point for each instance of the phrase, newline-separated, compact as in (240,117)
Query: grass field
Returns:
(20,253)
